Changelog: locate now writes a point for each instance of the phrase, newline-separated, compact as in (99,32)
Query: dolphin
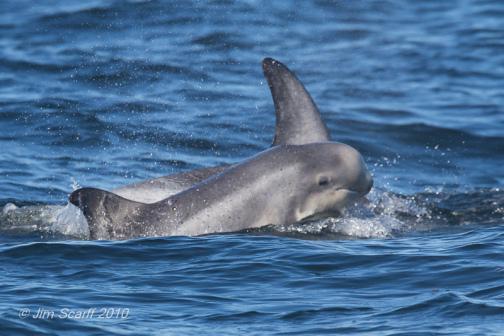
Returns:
(282,185)
(298,121)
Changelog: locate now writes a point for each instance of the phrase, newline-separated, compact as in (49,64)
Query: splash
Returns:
(46,220)
(386,214)
(382,215)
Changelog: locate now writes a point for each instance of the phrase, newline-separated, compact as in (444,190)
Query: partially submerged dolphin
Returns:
(302,175)
(298,122)
(282,185)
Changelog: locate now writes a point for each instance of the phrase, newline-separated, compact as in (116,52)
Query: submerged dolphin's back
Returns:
(156,189)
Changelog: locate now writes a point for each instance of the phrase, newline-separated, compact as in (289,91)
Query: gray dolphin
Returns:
(298,121)
(282,185)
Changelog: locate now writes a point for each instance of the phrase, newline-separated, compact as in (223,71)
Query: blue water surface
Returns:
(105,93)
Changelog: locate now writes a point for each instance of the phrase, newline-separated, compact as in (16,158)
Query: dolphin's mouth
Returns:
(335,213)
(344,197)
(352,192)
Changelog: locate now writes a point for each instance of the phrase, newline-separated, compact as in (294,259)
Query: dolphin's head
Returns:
(334,175)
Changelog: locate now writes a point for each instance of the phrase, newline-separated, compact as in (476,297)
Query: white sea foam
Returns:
(65,220)
(384,215)
(8,207)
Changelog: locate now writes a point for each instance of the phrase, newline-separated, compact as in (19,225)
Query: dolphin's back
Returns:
(154,190)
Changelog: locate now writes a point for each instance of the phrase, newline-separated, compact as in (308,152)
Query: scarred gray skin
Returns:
(298,122)
(282,185)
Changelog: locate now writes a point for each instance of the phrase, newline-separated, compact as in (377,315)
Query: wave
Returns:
(449,305)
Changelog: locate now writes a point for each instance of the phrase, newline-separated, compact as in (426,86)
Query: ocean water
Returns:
(105,93)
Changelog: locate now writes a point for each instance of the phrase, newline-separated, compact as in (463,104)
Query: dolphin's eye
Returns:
(323,181)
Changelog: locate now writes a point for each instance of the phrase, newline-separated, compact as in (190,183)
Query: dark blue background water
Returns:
(104,93)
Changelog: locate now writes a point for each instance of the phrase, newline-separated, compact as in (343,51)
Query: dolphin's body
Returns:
(282,185)
(302,175)
(298,122)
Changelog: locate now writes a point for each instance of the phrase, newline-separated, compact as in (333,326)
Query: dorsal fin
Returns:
(298,119)
(103,210)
